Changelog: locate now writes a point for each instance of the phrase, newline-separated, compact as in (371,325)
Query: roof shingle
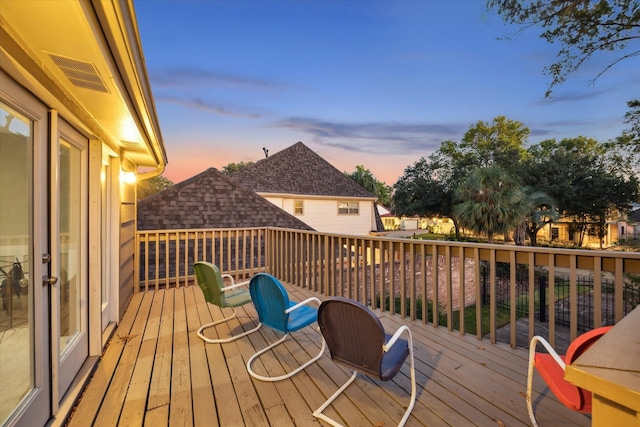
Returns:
(298,170)
(211,200)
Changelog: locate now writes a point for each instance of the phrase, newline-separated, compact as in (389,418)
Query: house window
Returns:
(348,208)
(298,207)
(555,233)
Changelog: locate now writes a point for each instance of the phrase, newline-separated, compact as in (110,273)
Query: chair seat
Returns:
(237,297)
(570,395)
(393,359)
(301,317)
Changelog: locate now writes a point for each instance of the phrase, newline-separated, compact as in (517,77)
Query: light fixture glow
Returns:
(127,177)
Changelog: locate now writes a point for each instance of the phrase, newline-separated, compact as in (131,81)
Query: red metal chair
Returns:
(551,368)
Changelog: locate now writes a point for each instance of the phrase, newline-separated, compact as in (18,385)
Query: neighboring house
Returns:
(564,232)
(211,200)
(302,183)
(430,225)
(629,228)
(77,122)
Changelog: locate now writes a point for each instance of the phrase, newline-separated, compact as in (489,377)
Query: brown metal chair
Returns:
(356,339)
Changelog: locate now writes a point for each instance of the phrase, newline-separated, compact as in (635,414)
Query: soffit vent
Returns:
(81,74)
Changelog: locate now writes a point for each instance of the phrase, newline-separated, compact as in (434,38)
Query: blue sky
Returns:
(373,83)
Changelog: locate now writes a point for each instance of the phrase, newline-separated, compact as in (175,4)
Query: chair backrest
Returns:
(210,281)
(583,342)
(271,300)
(353,334)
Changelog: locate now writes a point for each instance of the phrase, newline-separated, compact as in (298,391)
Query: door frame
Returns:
(35,409)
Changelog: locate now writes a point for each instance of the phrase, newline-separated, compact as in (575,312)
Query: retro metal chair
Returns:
(276,311)
(551,368)
(357,339)
(211,282)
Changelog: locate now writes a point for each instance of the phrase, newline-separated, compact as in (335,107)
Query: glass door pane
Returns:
(71,247)
(16,312)
(70,232)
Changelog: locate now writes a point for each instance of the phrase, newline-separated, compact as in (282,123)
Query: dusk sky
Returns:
(373,83)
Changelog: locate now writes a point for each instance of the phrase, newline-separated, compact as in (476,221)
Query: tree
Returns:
(426,189)
(588,183)
(152,186)
(366,180)
(499,143)
(582,27)
(632,117)
(542,211)
(492,202)
(234,167)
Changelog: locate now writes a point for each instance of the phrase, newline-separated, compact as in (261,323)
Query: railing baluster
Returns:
(379,271)
(512,298)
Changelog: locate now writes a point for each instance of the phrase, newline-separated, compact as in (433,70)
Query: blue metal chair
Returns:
(211,282)
(277,312)
(356,339)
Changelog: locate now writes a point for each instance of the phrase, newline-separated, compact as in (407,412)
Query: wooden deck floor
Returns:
(156,371)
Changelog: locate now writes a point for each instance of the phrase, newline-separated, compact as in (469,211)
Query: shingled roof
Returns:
(211,200)
(298,170)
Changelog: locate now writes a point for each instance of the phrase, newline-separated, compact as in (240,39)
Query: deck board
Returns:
(155,371)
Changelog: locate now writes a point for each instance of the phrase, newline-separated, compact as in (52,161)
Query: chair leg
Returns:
(532,354)
(318,412)
(413,383)
(224,340)
(281,377)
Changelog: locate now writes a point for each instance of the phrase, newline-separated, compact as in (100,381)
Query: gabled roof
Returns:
(634,216)
(298,170)
(211,200)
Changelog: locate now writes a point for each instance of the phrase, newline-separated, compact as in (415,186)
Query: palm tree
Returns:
(491,202)
(366,180)
(543,210)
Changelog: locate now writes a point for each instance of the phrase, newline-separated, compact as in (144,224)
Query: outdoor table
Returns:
(610,370)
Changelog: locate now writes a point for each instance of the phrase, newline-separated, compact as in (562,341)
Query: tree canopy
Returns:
(577,179)
(490,202)
(151,186)
(234,167)
(366,180)
(581,27)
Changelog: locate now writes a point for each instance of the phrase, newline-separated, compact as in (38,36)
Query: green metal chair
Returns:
(211,282)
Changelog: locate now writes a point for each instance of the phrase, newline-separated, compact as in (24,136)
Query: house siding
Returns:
(322,215)
(127,245)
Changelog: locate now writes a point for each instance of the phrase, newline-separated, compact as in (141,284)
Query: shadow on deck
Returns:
(156,371)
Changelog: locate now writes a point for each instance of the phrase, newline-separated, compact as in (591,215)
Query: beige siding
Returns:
(322,215)
(127,245)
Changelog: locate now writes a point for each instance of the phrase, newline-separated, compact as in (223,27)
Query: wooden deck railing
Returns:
(499,282)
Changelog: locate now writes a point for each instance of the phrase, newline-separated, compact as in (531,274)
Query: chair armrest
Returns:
(300,304)
(395,337)
(547,346)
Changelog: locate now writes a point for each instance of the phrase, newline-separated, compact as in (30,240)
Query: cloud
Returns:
(559,97)
(220,109)
(375,138)
(190,77)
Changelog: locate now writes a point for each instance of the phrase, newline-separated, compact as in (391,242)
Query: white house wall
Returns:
(322,215)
